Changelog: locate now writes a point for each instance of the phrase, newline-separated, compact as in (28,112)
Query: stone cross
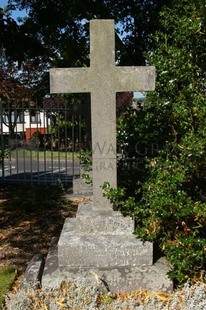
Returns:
(102,79)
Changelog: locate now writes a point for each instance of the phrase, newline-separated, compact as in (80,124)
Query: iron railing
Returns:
(41,145)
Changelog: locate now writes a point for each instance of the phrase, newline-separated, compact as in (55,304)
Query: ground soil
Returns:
(24,233)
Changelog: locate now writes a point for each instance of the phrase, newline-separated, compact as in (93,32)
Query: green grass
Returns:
(7,276)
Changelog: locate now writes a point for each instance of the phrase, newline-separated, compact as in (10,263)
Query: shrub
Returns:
(167,194)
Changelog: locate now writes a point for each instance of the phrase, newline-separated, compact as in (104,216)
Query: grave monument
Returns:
(98,245)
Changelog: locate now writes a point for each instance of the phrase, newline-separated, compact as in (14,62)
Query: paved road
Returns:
(36,169)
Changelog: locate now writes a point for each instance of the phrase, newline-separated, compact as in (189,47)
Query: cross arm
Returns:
(135,78)
(72,80)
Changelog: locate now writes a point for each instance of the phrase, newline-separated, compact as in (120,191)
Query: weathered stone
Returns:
(99,243)
(123,262)
(115,279)
(101,238)
(80,187)
(78,250)
(124,279)
(102,79)
(96,224)
(93,221)
(33,274)
(51,274)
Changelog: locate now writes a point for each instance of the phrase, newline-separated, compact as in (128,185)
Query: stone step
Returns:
(78,250)
(50,276)
(97,224)
(124,279)
(92,220)
(105,225)
(33,273)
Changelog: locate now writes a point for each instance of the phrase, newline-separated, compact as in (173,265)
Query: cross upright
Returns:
(102,79)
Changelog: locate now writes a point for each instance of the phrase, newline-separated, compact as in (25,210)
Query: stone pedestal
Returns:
(98,246)
(80,186)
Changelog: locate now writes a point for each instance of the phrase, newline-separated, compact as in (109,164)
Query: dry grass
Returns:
(29,217)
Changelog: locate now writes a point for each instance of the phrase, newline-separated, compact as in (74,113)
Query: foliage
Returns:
(135,144)
(169,200)
(166,138)
(3,154)
(84,297)
(7,276)
(63,26)
(64,126)
(17,90)
(56,33)
(17,43)
(86,163)
(13,91)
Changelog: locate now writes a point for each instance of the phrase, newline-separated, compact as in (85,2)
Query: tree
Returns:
(16,42)
(23,66)
(169,201)
(62,26)
(56,33)
(19,89)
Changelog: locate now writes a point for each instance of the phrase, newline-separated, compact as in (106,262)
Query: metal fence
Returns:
(41,145)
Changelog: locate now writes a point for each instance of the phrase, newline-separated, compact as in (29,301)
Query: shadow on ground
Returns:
(29,217)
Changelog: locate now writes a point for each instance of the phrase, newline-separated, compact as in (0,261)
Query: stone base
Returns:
(125,279)
(33,273)
(98,248)
(79,249)
(80,187)
(95,221)
(51,277)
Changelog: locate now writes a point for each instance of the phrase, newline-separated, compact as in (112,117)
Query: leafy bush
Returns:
(167,193)
(86,163)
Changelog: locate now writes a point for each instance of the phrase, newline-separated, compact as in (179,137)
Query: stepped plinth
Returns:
(99,246)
